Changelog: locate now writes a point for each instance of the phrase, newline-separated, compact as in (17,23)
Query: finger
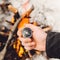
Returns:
(29,48)
(30,44)
(25,40)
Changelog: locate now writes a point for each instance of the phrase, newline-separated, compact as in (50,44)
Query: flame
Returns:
(17,44)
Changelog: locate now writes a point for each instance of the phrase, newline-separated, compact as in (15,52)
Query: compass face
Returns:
(27,32)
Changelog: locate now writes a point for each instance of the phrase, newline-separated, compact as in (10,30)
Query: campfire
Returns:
(10,46)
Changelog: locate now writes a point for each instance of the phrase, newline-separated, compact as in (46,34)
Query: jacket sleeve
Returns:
(53,45)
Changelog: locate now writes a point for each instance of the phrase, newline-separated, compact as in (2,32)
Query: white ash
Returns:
(47,12)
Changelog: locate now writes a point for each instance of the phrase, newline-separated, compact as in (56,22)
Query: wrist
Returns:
(44,44)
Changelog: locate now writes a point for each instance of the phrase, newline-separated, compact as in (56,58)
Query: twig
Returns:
(3,52)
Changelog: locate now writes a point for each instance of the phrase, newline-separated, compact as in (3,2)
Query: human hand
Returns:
(38,41)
